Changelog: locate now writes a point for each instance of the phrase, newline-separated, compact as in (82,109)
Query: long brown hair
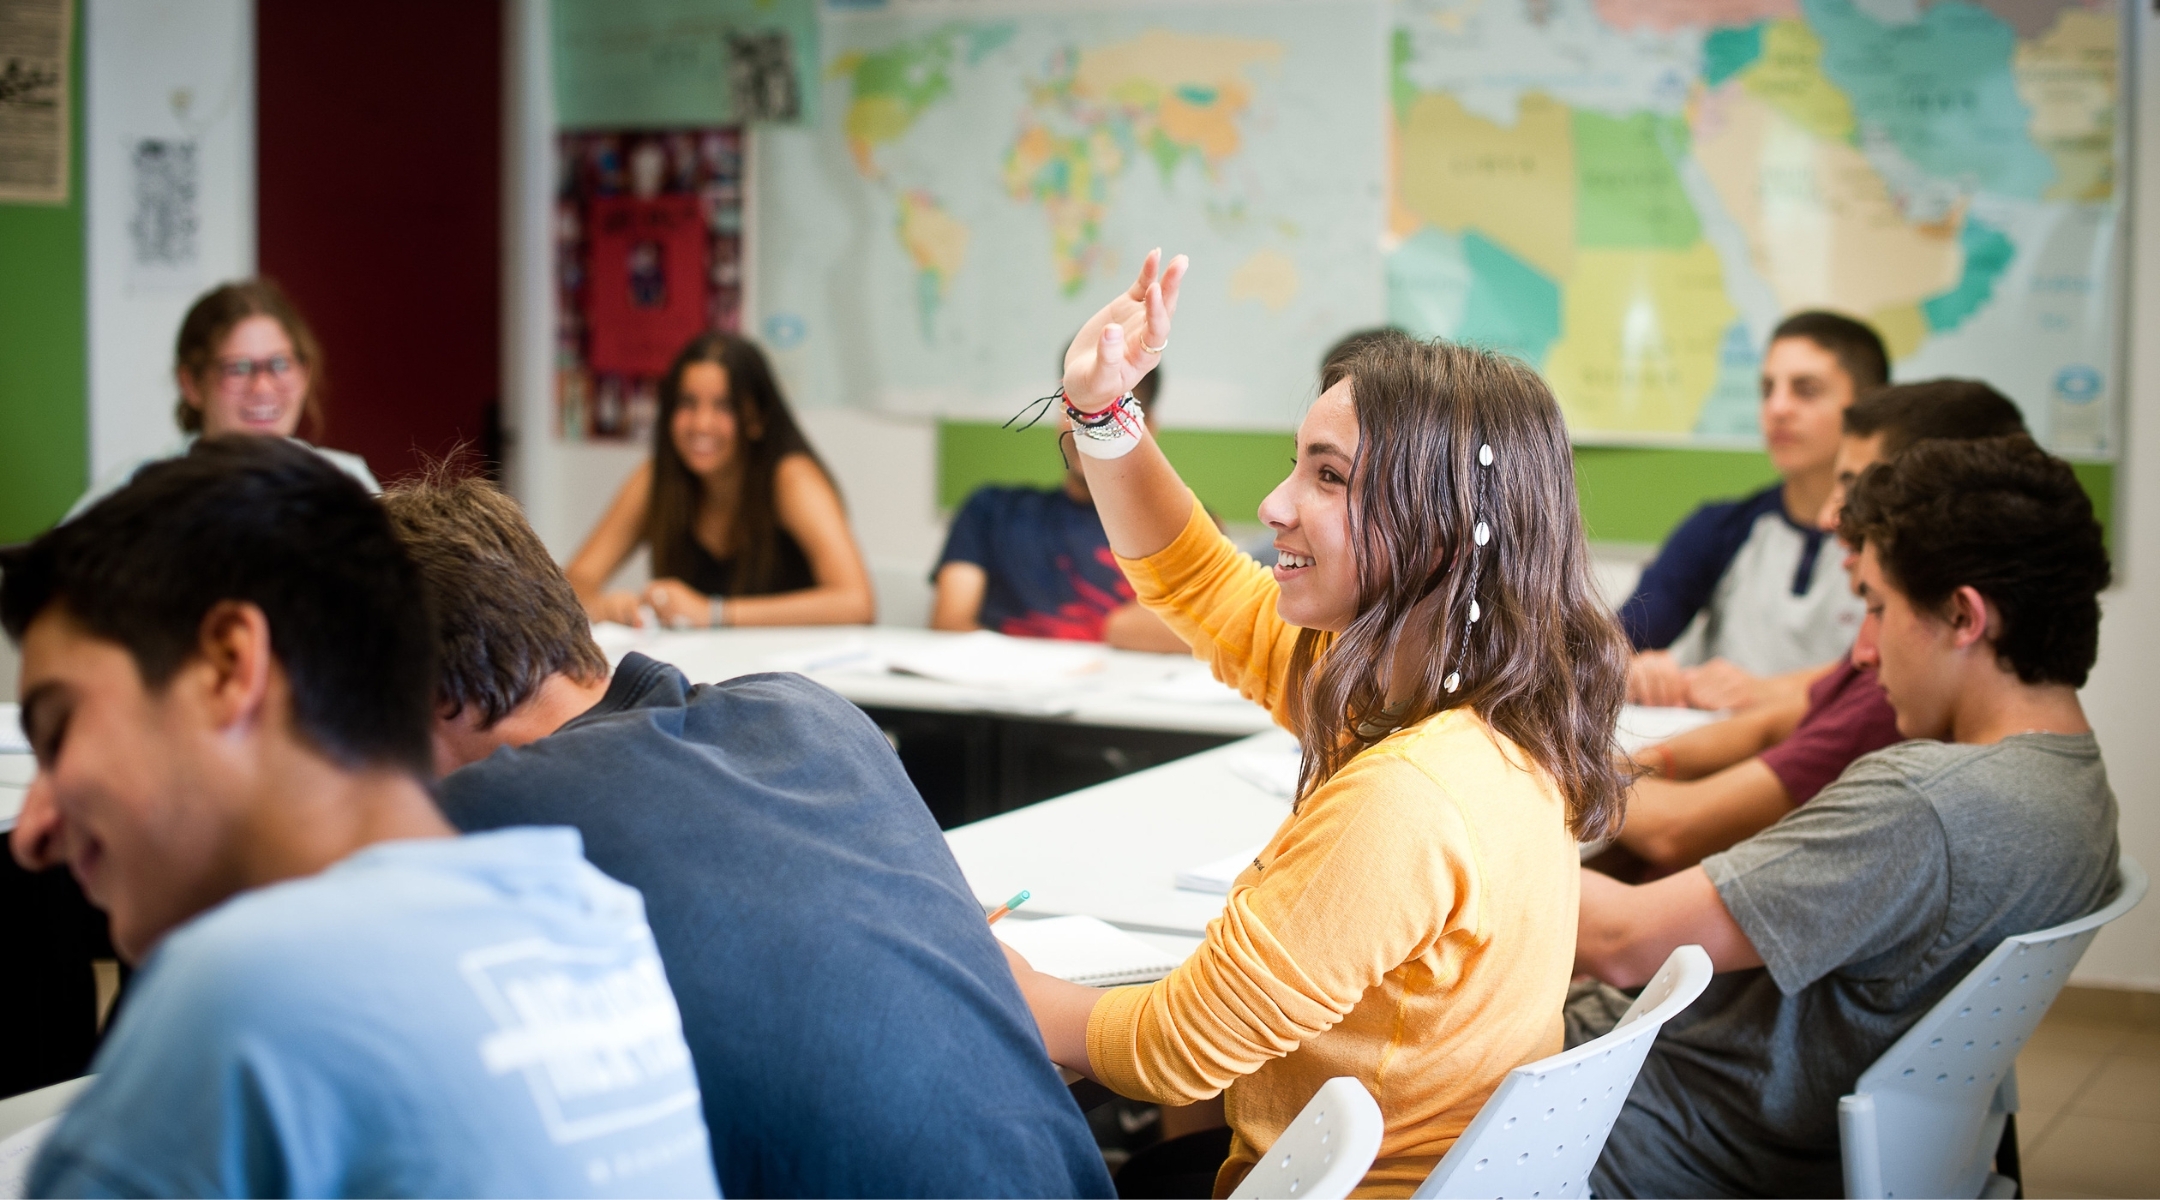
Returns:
(765,433)
(1543,661)
(214,315)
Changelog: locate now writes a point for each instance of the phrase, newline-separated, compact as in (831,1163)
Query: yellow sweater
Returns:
(1412,924)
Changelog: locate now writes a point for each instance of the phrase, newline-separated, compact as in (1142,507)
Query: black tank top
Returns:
(715,576)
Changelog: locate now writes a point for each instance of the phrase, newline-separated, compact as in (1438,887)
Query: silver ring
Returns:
(1156,349)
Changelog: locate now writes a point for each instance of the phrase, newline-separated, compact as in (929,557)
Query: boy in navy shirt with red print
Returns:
(1034,562)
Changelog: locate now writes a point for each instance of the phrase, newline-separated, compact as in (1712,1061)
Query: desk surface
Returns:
(1129,689)
(1114,850)
(15,773)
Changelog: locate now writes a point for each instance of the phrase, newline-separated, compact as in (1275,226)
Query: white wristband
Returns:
(1116,437)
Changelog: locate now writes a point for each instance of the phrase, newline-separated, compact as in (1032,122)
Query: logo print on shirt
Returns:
(595,1032)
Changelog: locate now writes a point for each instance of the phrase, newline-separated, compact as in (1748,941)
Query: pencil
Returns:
(1017,900)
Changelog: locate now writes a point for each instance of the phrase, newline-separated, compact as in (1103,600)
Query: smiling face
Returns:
(256,384)
(1805,392)
(703,427)
(117,797)
(1310,514)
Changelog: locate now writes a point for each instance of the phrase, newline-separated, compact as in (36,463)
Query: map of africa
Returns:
(1628,194)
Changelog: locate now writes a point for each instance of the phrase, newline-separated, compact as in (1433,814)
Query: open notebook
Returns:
(1084,950)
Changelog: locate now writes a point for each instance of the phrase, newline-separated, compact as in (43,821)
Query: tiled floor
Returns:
(2089,1087)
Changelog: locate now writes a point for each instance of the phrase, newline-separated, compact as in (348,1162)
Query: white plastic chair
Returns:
(1926,1119)
(1325,1150)
(1545,1125)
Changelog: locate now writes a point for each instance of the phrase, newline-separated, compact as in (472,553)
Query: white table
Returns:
(1134,690)
(16,765)
(1113,851)
(15,773)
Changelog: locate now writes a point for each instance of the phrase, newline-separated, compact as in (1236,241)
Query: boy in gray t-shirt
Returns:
(1837,928)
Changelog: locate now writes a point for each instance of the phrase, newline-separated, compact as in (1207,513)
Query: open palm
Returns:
(1111,352)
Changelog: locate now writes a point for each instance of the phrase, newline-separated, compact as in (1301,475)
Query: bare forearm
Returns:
(811,606)
(1624,934)
(1132,627)
(1061,1012)
(957,606)
(1711,748)
(1674,825)
(1142,502)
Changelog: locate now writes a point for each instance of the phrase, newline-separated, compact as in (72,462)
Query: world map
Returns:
(989,176)
(1628,194)
(1631,194)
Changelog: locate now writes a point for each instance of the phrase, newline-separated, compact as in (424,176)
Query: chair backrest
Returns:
(1545,1125)
(1925,1119)
(1325,1150)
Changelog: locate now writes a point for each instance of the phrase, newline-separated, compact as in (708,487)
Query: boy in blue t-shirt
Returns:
(1034,562)
(1776,610)
(227,679)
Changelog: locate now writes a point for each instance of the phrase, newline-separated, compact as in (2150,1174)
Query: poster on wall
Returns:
(656,63)
(1627,194)
(648,254)
(34,117)
(165,219)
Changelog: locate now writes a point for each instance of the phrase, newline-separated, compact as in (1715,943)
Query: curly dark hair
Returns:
(2005,517)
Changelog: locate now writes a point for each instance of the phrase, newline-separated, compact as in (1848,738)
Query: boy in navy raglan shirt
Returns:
(1759,570)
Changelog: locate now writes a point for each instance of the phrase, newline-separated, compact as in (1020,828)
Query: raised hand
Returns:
(1112,351)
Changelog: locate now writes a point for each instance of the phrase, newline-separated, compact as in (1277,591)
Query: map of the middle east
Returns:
(1628,194)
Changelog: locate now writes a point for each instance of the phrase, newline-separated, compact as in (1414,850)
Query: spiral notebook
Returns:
(1084,950)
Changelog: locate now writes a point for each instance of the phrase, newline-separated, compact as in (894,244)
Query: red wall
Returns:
(378,160)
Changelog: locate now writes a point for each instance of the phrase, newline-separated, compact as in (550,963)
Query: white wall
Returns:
(2123,698)
(170,70)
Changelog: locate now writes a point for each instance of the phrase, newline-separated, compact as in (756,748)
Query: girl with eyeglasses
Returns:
(246,363)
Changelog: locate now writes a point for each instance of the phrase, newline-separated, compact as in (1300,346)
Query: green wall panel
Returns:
(1628,495)
(1638,495)
(44,348)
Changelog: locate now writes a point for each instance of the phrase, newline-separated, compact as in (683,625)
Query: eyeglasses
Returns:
(238,374)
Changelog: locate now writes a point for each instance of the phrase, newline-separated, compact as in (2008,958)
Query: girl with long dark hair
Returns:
(1432,634)
(744,525)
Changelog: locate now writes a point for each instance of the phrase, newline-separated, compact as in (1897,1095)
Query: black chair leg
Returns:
(2006,1155)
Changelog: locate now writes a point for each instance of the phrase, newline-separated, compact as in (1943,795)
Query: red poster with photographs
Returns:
(648,255)
(646,271)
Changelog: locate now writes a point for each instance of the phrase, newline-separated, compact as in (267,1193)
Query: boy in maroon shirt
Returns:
(1713,786)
